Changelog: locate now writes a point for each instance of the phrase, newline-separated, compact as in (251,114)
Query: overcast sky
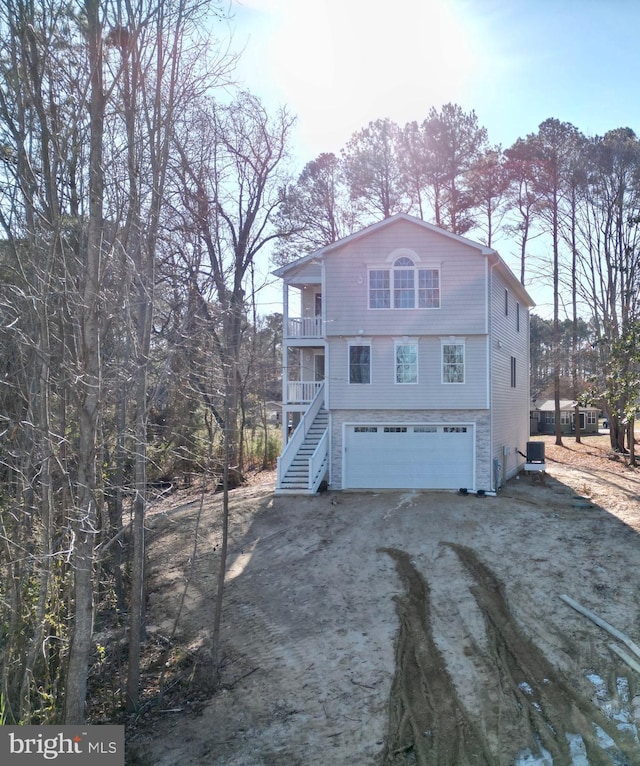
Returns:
(338,64)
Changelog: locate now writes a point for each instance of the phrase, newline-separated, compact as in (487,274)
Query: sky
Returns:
(339,64)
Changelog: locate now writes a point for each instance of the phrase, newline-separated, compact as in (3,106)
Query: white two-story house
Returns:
(405,363)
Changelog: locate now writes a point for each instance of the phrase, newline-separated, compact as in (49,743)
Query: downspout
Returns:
(489,331)
(327,368)
(285,362)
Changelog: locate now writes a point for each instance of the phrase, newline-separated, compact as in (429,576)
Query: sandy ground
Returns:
(400,627)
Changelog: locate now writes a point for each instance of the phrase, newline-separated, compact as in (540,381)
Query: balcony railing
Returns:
(304,327)
(302,391)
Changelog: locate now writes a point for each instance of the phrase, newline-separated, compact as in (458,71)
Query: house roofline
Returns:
(372,228)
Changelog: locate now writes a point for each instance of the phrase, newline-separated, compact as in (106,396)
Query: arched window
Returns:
(404,286)
(404,291)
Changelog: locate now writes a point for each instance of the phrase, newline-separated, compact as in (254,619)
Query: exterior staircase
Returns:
(307,465)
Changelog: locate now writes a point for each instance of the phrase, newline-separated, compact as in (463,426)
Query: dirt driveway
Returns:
(402,627)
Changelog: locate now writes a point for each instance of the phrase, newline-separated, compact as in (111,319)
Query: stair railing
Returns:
(298,436)
(318,462)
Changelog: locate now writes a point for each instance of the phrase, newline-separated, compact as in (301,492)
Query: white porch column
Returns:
(285,361)
(285,310)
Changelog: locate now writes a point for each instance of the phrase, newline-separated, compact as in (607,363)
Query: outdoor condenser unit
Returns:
(535,458)
(535,452)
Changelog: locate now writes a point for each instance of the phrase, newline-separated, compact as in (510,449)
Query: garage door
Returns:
(408,456)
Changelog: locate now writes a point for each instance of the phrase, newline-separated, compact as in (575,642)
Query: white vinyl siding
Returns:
(461,292)
(429,391)
(509,351)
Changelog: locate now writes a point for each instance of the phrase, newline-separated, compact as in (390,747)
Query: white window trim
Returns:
(402,252)
(453,341)
(418,266)
(405,342)
(359,342)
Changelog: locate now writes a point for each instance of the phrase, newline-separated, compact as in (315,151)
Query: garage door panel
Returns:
(411,457)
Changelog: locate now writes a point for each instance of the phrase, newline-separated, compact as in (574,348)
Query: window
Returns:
(359,363)
(591,417)
(428,289)
(455,429)
(365,430)
(566,418)
(518,317)
(404,294)
(425,430)
(395,429)
(379,290)
(406,362)
(404,286)
(513,372)
(506,303)
(453,362)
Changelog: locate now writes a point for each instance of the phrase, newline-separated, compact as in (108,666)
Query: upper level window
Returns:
(404,286)
(404,291)
(428,288)
(379,289)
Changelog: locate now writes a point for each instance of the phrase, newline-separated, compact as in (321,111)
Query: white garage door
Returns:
(384,456)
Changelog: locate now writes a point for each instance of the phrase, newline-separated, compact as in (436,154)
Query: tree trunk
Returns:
(90,389)
(556,315)
(46,520)
(222,566)
(574,305)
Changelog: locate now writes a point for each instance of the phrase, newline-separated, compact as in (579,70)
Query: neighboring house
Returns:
(406,364)
(543,417)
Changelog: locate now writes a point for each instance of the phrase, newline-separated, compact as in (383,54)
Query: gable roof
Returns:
(318,255)
(549,405)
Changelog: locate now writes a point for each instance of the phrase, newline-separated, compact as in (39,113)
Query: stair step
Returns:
(296,479)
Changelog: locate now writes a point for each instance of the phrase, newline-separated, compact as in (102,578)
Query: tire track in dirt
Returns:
(537,707)
(427,722)
(535,698)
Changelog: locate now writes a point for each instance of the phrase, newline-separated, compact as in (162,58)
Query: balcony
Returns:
(304,327)
(302,391)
